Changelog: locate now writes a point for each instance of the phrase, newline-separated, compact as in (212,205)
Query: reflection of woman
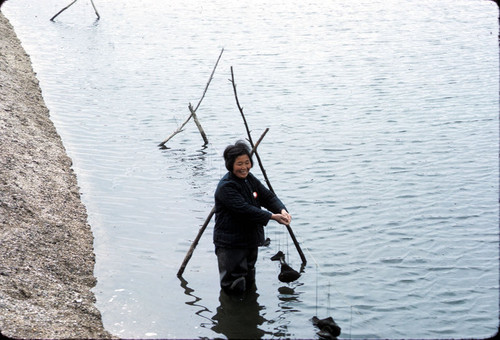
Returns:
(239,319)
(239,219)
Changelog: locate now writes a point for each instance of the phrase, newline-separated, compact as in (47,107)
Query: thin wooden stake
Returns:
(62,10)
(197,122)
(180,129)
(95,10)
(254,148)
(207,220)
(209,79)
(290,231)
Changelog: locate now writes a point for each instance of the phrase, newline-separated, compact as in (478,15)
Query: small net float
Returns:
(287,274)
(328,328)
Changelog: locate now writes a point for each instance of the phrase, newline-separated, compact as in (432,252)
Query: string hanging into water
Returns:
(345,299)
(286,246)
(318,269)
(317,273)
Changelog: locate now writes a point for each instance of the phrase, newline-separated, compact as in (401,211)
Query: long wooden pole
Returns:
(207,221)
(290,231)
(209,80)
(195,243)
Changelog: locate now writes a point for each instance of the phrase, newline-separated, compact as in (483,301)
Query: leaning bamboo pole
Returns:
(290,231)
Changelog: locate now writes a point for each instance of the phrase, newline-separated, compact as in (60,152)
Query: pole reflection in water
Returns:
(200,308)
(239,318)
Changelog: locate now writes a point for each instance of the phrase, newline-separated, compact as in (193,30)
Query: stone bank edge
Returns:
(46,244)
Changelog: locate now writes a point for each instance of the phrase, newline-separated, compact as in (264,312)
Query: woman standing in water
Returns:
(240,221)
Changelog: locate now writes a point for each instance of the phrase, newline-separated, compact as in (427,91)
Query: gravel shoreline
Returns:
(46,244)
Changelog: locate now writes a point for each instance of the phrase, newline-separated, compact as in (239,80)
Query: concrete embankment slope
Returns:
(46,245)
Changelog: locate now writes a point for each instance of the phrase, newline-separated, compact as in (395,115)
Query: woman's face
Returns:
(242,166)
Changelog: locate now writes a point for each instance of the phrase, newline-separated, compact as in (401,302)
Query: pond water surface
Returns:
(383,144)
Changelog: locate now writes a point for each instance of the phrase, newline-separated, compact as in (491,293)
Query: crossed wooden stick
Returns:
(65,8)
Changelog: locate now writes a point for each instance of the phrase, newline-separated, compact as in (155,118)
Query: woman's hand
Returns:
(283,218)
(287,216)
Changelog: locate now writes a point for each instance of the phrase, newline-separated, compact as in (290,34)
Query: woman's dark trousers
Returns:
(236,268)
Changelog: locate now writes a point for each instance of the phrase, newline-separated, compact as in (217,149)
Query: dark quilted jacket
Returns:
(239,219)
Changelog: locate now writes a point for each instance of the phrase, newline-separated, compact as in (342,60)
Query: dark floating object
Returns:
(278,257)
(328,328)
(286,290)
(287,274)
(325,335)
(267,242)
